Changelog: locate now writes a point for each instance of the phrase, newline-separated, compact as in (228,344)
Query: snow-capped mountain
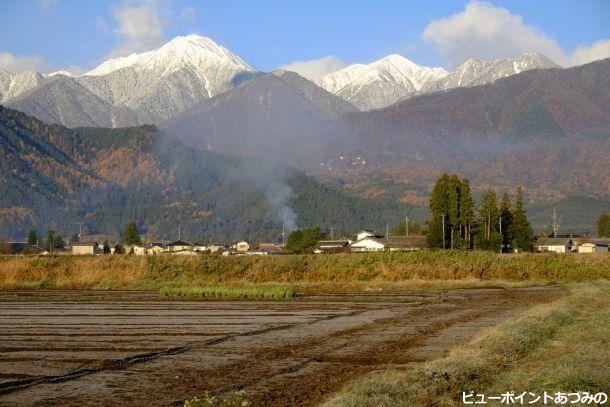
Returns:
(166,81)
(380,83)
(155,84)
(479,72)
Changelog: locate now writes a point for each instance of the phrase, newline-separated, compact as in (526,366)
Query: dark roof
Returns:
(407,241)
(21,247)
(180,243)
(336,243)
(553,241)
(160,244)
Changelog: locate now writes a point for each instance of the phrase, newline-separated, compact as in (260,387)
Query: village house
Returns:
(139,250)
(24,248)
(592,245)
(332,246)
(240,247)
(368,244)
(392,243)
(364,233)
(553,244)
(268,248)
(86,248)
(178,245)
(155,248)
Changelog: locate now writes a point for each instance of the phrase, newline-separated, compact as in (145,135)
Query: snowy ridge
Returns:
(479,72)
(380,83)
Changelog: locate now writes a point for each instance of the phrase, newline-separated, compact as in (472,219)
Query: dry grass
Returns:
(427,269)
(515,355)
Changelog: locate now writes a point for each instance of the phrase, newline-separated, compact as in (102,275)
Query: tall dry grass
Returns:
(516,355)
(150,272)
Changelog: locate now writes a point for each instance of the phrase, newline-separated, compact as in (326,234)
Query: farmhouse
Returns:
(24,248)
(364,233)
(88,248)
(178,245)
(392,243)
(406,243)
(593,245)
(332,246)
(240,247)
(555,245)
(369,244)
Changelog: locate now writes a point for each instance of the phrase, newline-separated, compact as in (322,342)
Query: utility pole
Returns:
(80,233)
(387,232)
(332,233)
(179,232)
(406,226)
(443,231)
(555,225)
(283,234)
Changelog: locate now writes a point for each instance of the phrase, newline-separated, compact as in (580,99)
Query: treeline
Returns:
(457,222)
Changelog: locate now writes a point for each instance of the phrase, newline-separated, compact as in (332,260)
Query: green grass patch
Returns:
(517,355)
(249,293)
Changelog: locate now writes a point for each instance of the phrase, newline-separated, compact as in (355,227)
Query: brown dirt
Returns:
(136,349)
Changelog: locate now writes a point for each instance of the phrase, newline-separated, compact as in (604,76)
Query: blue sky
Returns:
(58,34)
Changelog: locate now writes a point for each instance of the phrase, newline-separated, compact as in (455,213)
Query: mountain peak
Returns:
(189,50)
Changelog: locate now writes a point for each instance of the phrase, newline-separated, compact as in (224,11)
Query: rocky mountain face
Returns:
(380,83)
(280,114)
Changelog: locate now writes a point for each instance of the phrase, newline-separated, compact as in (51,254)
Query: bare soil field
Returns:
(131,347)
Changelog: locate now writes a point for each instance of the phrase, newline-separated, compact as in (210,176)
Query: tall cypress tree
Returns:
(132,237)
(603,225)
(454,210)
(439,207)
(489,237)
(466,212)
(32,238)
(520,230)
(506,218)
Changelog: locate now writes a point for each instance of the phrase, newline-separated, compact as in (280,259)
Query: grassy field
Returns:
(562,346)
(248,293)
(426,269)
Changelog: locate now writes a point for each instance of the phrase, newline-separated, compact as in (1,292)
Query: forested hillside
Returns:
(58,178)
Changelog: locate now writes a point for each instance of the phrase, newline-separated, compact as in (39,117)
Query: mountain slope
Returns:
(60,99)
(54,177)
(547,130)
(380,83)
(280,114)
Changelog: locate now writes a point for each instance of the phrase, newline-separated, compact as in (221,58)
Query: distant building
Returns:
(553,244)
(364,233)
(241,246)
(199,247)
(86,248)
(592,245)
(332,246)
(24,248)
(406,243)
(213,248)
(140,250)
(155,248)
(392,243)
(369,244)
(178,245)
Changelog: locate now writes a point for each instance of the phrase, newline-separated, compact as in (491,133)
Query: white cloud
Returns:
(19,63)
(140,26)
(316,68)
(486,31)
(584,54)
